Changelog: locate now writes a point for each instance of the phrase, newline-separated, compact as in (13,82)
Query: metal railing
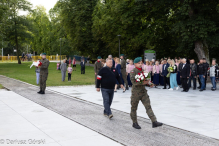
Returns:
(33,58)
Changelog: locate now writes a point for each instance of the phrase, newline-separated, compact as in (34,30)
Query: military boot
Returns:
(39,92)
(43,92)
(156,124)
(136,126)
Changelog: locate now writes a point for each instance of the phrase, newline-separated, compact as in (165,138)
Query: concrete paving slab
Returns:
(119,128)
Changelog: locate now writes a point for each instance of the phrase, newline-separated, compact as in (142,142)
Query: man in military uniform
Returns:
(97,66)
(139,93)
(123,71)
(43,73)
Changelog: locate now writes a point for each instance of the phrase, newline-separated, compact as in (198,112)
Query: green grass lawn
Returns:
(24,73)
(1,87)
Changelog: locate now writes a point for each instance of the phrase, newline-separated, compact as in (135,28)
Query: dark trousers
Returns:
(107,99)
(206,77)
(82,70)
(69,77)
(185,84)
(202,79)
(192,77)
(166,81)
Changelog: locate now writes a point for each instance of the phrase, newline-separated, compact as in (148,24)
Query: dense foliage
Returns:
(182,28)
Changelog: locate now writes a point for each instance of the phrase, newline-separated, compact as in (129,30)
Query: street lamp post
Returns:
(60,49)
(2,49)
(119,44)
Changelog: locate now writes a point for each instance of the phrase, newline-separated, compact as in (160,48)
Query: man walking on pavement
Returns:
(43,73)
(97,66)
(139,93)
(107,78)
(123,71)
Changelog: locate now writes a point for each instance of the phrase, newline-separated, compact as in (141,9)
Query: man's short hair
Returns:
(108,59)
(203,58)
(110,56)
(214,59)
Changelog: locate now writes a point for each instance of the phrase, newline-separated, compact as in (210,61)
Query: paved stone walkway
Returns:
(118,129)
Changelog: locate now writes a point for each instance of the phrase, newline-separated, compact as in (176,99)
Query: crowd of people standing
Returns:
(184,72)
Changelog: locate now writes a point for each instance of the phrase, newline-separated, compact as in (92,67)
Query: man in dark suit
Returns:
(164,73)
(180,69)
(82,67)
(185,73)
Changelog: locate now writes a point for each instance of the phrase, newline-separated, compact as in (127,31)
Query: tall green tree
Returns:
(18,30)
(77,20)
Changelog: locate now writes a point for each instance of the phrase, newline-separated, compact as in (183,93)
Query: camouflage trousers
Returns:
(124,77)
(43,78)
(144,98)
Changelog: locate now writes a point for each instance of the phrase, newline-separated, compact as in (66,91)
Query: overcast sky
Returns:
(48,4)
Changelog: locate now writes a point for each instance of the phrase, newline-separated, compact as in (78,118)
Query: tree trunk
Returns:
(201,49)
(16,41)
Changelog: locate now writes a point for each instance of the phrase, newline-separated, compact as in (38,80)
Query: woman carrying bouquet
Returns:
(156,73)
(173,72)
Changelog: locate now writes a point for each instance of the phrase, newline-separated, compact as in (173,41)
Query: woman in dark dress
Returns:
(118,68)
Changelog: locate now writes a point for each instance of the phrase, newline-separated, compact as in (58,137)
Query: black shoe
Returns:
(39,92)
(136,126)
(105,115)
(194,88)
(204,89)
(187,91)
(164,88)
(199,87)
(183,91)
(127,88)
(201,90)
(124,91)
(213,89)
(43,92)
(156,124)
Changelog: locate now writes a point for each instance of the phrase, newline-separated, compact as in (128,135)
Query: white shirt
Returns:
(165,66)
(212,71)
(183,65)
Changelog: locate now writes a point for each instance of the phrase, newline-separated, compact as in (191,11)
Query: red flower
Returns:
(139,73)
(136,81)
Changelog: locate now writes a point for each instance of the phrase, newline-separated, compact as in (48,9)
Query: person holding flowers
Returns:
(172,73)
(139,80)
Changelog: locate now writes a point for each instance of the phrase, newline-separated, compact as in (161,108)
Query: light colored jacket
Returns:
(63,67)
(156,69)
